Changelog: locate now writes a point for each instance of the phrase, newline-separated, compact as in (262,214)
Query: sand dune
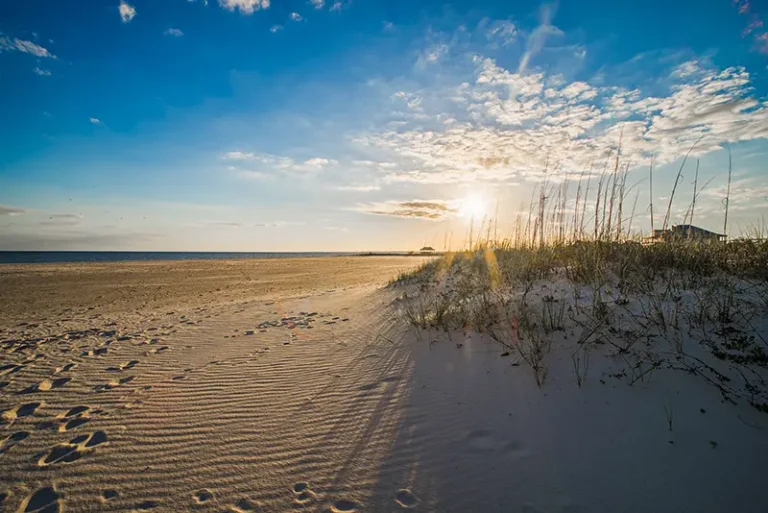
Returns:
(319,399)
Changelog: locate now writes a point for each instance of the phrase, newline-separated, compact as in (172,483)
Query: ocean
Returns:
(52,257)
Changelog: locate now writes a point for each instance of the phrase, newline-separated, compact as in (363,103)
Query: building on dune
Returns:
(427,250)
(685,232)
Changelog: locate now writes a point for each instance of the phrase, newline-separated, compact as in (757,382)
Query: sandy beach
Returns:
(280,385)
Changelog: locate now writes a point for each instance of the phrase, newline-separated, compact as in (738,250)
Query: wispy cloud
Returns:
(95,121)
(275,28)
(173,32)
(336,6)
(296,16)
(359,188)
(62,220)
(755,27)
(372,163)
(265,161)
(127,11)
(6,210)
(42,72)
(245,6)
(507,125)
(501,32)
(432,210)
(20,45)
(540,34)
(238,155)
(317,4)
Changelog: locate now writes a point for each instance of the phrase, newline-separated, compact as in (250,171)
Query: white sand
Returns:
(215,404)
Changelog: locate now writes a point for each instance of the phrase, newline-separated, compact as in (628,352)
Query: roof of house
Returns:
(427,248)
(685,229)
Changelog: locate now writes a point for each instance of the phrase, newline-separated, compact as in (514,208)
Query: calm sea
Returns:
(48,257)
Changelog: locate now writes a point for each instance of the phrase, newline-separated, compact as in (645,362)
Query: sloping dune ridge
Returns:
(294,385)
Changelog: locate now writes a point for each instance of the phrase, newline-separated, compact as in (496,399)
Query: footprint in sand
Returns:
(73,450)
(44,500)
(202,496)
(12,440)
(146,505)
(485,441)
(45,385)
(344,506)
(113,384)
(304,494)
(406,498)
(76,417)
(71,419)
(123,366)
(21,411)
(66,368)
(10,368)
(242,506)
(108,494)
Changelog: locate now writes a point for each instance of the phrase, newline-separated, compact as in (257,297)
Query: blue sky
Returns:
(244,125)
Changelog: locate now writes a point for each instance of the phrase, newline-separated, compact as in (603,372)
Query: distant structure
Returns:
(685,232)
(427,250)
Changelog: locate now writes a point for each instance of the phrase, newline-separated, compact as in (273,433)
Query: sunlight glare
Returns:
(474,207)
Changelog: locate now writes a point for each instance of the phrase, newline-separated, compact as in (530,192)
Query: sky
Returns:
(364,125)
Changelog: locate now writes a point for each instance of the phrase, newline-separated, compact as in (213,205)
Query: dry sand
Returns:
(278,385)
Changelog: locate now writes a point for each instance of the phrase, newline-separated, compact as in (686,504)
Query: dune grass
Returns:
(566,281)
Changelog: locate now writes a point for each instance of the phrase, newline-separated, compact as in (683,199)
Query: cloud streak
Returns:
(430,210)
(6,210)
(540,34)
(20,45)
(266,162)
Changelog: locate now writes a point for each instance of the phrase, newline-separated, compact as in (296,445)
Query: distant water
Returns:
(52,257)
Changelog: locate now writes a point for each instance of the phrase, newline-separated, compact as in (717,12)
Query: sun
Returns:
(473,207)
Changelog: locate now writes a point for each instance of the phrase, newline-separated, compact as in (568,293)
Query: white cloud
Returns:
(95,121)
(358,188)
(371,163)
(238,155)
(507,125)
(173,32)
(245,6)
(317,162)
(19,45)
(275,28)
(266,161)
(388,26)
(42,72)
(336,6)
(296,16)
(127,11)
(335,228)
(318,4)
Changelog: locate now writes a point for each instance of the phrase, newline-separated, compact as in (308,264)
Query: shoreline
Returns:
(63,257)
